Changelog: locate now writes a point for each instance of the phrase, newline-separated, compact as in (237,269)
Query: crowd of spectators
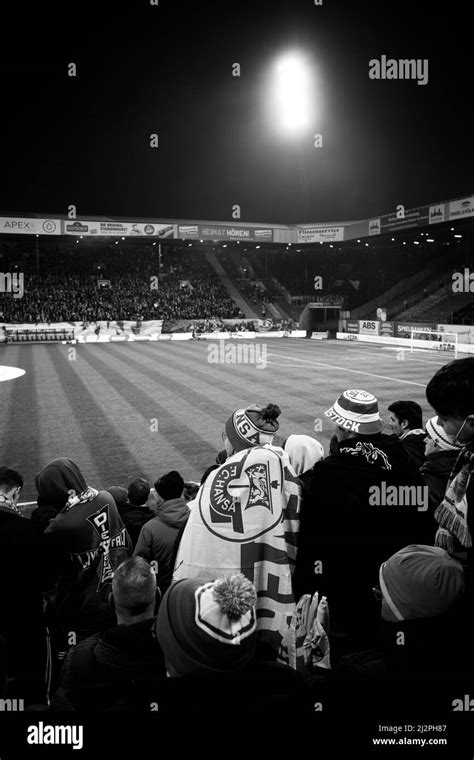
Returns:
(141,596)
(138,285)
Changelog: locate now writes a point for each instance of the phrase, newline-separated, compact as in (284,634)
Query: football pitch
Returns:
(140,409)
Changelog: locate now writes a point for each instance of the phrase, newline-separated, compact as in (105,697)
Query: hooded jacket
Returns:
(92,539)
(348,533)
(53,483)
(159,536)
(134,518)
(119,669)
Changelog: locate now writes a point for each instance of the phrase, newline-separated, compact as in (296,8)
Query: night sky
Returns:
(167,69)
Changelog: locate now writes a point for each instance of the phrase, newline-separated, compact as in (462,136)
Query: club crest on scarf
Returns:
(370,452)
(238,502)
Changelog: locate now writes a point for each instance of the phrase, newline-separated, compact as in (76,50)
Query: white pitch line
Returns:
(373,353)
(347,369)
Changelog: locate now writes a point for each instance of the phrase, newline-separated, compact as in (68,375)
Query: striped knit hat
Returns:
(356,411)
(439,437)
(253,426)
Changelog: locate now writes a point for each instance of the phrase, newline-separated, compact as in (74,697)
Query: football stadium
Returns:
(237,379)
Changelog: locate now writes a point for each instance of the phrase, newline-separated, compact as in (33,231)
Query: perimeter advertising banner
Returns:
(320,234)
(462,208)
(119,229)
(22,226)
(225,232)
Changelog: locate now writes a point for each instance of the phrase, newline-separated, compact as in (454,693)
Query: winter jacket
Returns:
(134,518)
(120,669)
(53,483)
(158,538)
(348,534)
(23,578)
(413,442)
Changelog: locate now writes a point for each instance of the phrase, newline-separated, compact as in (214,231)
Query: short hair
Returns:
(170,486)
(10,479)
(134,585)
(451,389)
(138,491)
(409,411)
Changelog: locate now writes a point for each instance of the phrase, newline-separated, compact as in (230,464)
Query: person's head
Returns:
(190,490)
(437,439)
(138,492)
(119,494)
(249,427)
(420,582)
(355,413)
(11,484)
(451,394)
(405,416)
(57,481)
(134,591)
(170,486)
(208,628)
(303,451)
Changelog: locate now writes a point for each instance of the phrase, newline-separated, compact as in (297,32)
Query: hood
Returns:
(55,480)
(174,512)
(384,452)
(303,451)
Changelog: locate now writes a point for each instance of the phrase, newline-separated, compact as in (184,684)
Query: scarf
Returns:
(451,514)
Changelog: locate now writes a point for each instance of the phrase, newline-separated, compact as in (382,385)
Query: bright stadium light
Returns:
(292,105)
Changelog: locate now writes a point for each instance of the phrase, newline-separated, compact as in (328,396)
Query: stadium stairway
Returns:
(438,307)
(233,291)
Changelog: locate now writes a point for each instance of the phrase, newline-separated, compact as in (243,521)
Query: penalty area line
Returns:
(348,369)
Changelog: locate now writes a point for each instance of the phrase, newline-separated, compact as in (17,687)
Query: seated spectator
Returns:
(348,526)
(303,451)
(246,520)
(422,591)
(159,537)
(120,668)
(451,394)
(134,513)
(23,578)
(440,457)
(406,420)
(207,632)
(92,541)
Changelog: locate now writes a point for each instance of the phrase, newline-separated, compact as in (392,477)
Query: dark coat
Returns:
(120,669)
(134,518)
(159,537)
(414,445)
(23,577)
(349,535)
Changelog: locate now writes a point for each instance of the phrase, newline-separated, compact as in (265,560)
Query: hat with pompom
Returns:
(210,628)
(253,426)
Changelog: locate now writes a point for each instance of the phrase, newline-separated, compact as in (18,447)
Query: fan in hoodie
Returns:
(92,539)
(344,535)
(303,451)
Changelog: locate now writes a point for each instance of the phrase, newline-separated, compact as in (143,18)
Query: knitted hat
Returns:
(356,411)
(119,494)
(208,629)
(439,437)
(420,582)
(170,486)
(252,426)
